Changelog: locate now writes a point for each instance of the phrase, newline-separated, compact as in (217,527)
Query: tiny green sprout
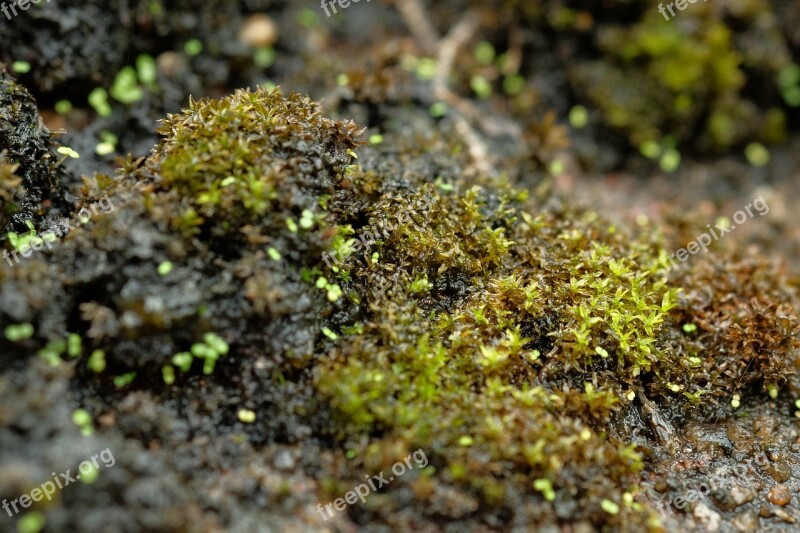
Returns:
(216,343)
(513,84)
(533,355)
(52,353)
(82,419)
(773,391)
(125,88)
(756,154)
(334,292)
(321,283)
(330,334)
(97,361)
(103,149)
(465,440)
(154,8)
(546,488)
(420,284)
(609,507)
(736,401)
(306,219)
(556,167)
(376,138)
(264,56)
(578,117)
(673,387)
(443,185)
(797,404)
(18,332)
(438,110)
(631,395)
(426,68)
(375,257)
(98,99)
(74,345)
(193,47)
(63,107)
(32,522)
(689,328)
(789,80)
(650,149)
(308,18)
(227,182)
(108,137)
(601,351)
(168,374)
(146,69)
(246,416)
(351,454)
(481,87)
(268,85)
(291,225)
(90,475)
(20,67)
(484,53)
(342,80)
(201,351)
(352,154)
(124,380)
(208,365)
(57,347)
(165,268)
(670,160)
(183,361)
(274,254)
(68,152)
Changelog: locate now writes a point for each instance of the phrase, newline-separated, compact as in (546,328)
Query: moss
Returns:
(507,339)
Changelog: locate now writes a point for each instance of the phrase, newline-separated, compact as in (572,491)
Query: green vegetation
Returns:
(82,419)
(501,337)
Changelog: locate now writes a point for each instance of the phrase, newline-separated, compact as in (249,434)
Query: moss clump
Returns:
(505,340)
(257,158)
(712,78)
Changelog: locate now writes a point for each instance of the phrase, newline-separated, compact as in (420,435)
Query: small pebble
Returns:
(284,461)
(170,64)
(246,415)
(779,495)
(258,30)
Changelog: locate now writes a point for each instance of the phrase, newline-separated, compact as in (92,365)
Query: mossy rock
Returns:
(518,344)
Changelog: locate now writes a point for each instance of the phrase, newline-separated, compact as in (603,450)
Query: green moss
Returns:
(502,337)
(490,329)
(689,76)
(233,179)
